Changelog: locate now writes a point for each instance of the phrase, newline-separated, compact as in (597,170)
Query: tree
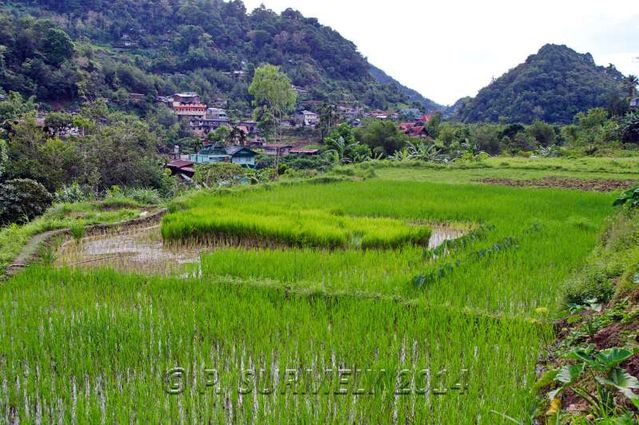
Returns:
(22,200)
(543,133)
(15,106)
(632,81)
(220,135)
(4,157)
(237,136)
(273,96)
(342,143)
(57,47)
(383,137)
(630,128)
(328,118)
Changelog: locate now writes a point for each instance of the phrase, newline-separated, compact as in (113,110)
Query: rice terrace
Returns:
(226,212)
(308,302)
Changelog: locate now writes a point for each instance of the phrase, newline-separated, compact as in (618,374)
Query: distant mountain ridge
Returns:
(413,95)
(552,85)
(157,47)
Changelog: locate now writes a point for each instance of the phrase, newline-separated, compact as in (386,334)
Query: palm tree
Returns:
(632,81)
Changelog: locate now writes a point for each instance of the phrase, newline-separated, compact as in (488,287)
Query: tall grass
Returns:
(267,225)
(93,348)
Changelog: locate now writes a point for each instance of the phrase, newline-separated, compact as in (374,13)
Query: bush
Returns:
(116,196)
(22,200)
(222,174)
(71,194)
(144,196)
(593,286)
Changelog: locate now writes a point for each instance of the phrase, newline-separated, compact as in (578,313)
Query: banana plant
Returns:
(630,197)
(423,151)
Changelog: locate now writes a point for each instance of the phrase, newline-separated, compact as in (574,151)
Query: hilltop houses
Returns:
(203,119)
(213,119)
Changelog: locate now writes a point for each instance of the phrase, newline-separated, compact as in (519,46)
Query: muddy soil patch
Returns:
(141,249)
(591,185)
(133,249)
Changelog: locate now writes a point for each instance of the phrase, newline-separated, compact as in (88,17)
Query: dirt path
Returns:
(31,251)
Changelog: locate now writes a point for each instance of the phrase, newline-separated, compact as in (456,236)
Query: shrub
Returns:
(222,174)
(78,231)
(71,194)
(21,200)
(594,285)
(117,196)
(630,197)
(144,196)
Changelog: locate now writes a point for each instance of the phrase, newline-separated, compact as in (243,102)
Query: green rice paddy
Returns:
(315,304)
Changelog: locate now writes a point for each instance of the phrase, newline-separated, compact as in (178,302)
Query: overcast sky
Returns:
(452,48)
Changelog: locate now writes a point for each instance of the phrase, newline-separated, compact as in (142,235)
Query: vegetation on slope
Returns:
(552,85)
(591,373)
(164,47)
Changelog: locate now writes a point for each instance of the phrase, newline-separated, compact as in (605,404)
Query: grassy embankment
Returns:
(13,238)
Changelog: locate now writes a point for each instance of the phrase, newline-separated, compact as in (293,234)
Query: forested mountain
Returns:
(414,96)
(552,85)
(66,51)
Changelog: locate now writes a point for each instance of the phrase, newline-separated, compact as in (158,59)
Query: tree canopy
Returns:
(552,85)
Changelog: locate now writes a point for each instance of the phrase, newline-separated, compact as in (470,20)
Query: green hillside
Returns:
(76,50)
(552,85)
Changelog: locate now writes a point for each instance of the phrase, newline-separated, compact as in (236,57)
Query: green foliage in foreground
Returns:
(217,219)
(95,347)
(595,360)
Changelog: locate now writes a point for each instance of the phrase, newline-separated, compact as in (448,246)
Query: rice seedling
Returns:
(272,226)
(526,242)
(103,347)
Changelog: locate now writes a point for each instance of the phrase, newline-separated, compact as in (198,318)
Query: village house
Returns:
(277,149)
(380,115)
(213,119)
(188,105)
(218,114)
(136,97)
(186,98)
(300,91)
(167,100)
(308,118)
(634,103)
(217,153)
(182,168)
(202,127)
(304,152)
(417,128)
(250,126)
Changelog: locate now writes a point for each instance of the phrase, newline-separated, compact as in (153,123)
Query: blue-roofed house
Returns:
(217,153)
